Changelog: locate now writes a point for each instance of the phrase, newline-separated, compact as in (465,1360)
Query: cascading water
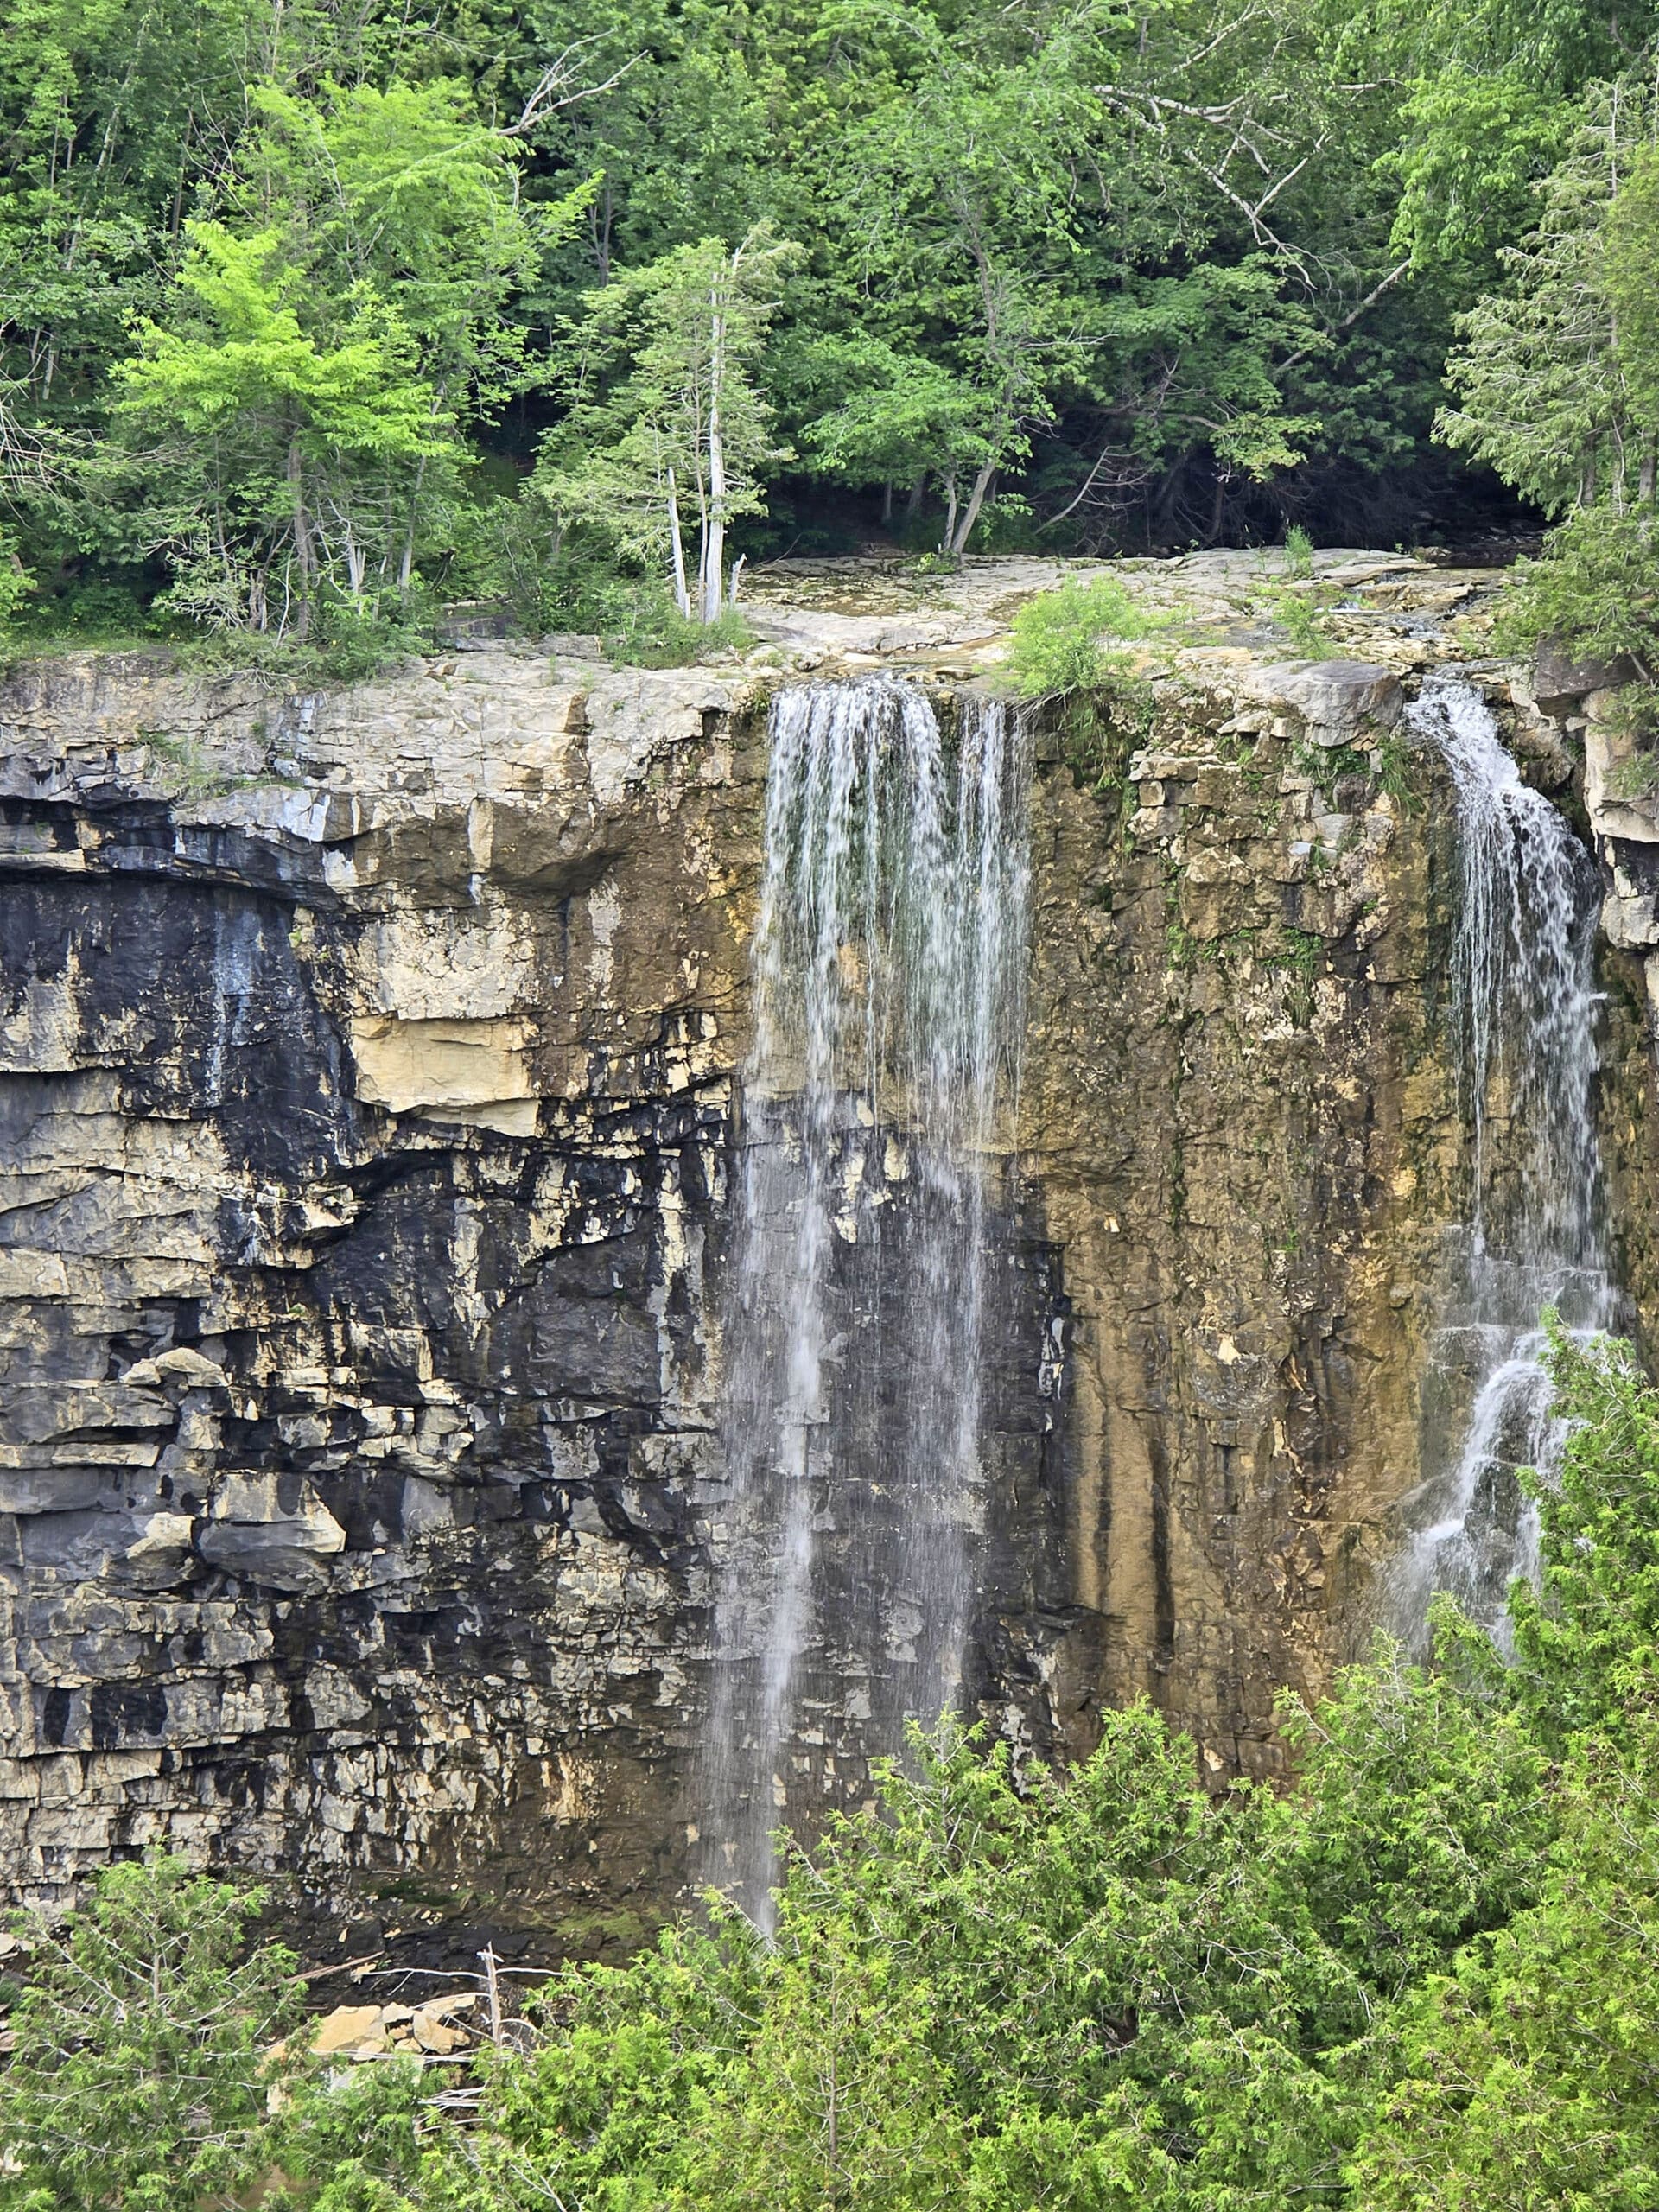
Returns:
(888,959)
(1524,1016)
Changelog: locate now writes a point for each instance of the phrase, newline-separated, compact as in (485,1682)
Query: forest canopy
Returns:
(317,315)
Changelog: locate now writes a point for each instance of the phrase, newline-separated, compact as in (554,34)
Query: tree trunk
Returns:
(886,500)
(913,498)
(681,596)
(406,563)
(958,544)
(947,542)
(714,549)
(304,552)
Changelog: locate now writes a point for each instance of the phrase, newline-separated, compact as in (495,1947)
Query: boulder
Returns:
(1616,796)
(1338,702)
(271,1529)
(183,1364)
(347,2028)
(1560,681)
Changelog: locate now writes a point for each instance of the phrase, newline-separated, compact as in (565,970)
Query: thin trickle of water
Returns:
(1522,1012)
(888,958)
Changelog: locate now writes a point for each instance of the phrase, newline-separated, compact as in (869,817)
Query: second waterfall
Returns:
(1523,1019)
(888,963)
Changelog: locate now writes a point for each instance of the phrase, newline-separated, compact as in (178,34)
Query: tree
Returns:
(328,352)
(143,2064)
(1544,370)
(1559,378)
(279,459)
(667,408)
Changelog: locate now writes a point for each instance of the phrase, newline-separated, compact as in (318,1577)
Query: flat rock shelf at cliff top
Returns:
(374,1076)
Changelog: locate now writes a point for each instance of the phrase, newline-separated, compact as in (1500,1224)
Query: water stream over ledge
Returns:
(1523,1013)
(888,964)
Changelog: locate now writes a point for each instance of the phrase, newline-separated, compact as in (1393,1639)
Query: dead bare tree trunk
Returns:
(714,552)
(958,542)
(304,552)
(681,596)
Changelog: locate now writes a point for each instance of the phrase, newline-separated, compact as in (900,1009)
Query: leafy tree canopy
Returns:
(1070,272)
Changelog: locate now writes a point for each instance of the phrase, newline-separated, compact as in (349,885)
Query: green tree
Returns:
(143,2069)
(670,418)
(1544,369)
(299,423)
(1528,2076)
(276,459)
(1586,1640)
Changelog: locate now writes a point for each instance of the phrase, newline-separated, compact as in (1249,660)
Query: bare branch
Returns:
(553,90)
(1349,320)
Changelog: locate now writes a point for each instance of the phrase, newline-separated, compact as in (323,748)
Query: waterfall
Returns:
(1522,1012)
(887,965)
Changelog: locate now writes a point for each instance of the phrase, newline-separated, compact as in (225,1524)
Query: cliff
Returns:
(369,1075)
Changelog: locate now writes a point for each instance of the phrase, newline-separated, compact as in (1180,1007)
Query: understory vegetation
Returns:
(318,318)
(1420,1977)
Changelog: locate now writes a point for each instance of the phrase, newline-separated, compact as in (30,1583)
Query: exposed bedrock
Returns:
(368,1110)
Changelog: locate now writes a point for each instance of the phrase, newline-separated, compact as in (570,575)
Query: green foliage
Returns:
(1545,368)
(1584,1642)
(1058,637)
(1420,1820)
(636,619)
(142,2071)
(282,281)
(1418,1978)
(1300,612)
(667,422)
(1559,379)
(1594,589)
(1526,2075)
(15,582)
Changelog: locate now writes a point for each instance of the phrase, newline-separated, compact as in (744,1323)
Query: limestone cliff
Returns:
(369,1068)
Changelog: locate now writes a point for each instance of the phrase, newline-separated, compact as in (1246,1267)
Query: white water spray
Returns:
(1524,1021)
(888,960)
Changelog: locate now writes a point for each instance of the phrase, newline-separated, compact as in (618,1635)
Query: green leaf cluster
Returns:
(1074,638)
(143,2066)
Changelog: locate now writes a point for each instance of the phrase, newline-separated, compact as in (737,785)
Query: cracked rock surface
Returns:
(367,1069)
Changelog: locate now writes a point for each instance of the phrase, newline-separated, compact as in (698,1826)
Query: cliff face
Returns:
(367,1097)
(365,1106)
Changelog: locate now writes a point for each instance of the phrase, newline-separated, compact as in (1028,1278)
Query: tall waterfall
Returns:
(1522,1009)
(889,961)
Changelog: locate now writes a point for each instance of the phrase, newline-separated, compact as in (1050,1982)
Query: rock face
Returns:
(368,1073)
(366,1083)
(1242,1115)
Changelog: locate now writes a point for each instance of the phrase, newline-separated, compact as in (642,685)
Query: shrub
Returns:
(1058,638)
(1595,588)
(142,2070)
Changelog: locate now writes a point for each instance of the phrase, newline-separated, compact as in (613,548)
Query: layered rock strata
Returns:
(367,1077)
(368,1099)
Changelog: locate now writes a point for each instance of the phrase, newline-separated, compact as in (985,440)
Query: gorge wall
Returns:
(369,1072)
